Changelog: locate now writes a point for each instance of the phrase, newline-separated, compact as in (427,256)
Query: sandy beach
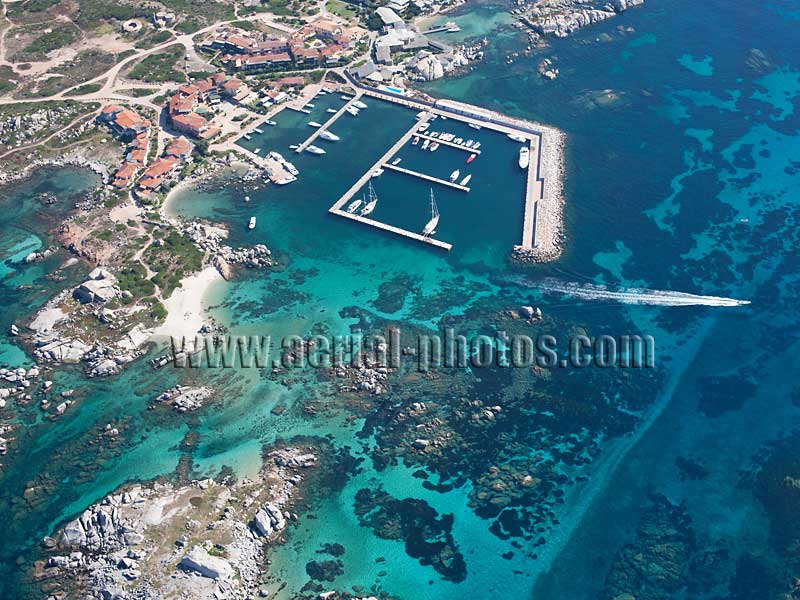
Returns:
(185,306)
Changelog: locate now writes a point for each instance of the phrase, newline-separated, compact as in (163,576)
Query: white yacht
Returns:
(458,140)
(348,98)
(327,135)
(423,127)
(315,150)
(352,110)
(415,141)
(469,143)
(371,201)
(476,145)
(252,223)
(314,124)
(377,172)
(359,105)
(353,206)
(257,130)
(270,123)
(430,227)
(333,111)
(291,168)
(454,175)
(396,161)
(474,125)
(246,136)
(286,180)
(515,137)
(524,157)
(466,179)
(425,144)
(434,146)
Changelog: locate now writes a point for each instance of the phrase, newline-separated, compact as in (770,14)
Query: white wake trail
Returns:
(589,291)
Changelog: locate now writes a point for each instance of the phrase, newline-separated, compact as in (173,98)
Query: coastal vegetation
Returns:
(159,67)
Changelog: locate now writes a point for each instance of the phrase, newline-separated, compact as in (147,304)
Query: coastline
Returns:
(185,307)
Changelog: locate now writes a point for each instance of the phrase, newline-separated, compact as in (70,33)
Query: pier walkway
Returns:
(274,169)
(326,124)
(533,194)
(451,144)
(336,209)
(445,182)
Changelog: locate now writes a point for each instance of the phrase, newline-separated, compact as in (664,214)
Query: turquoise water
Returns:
(683,179)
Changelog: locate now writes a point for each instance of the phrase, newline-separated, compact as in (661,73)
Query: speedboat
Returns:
(314,124)
(333,111)
(271,123)
(286,180)
(327,135)
(435,134)
(524,157)
(252,223)
(377,172)
(294,146)
(315,150)
(290,167)
(454,175)
(476,145)
(415,141)
(474,125)
(359,105)
(471,158)
(434,146)
(469,143)
(257,150)
(423,127)
(466,179)
(458,140)
(353,206)
(348,98)
(515,137)
(257,130)
(352,110)
(246,136)
(425,144)
(396,161)
(309,105)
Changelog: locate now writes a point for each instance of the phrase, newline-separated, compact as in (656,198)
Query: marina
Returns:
(324,127)
(445,182)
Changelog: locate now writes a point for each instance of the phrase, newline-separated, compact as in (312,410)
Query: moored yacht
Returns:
(434,146)
(353,206)
(352,110)
(471,158)
(415,141)
(454,175)
(466,179)
(524,157)
(396,161)
(371,201)
(359,105)
(430,226)
(315,150)
(425,144)
(314,124)
(515,137)
(327,135)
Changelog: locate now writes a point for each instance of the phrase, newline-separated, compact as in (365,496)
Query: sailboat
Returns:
(370,201)
(430,228)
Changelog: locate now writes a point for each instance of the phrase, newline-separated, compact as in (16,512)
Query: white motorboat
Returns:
(458,140)
(466,179)
(396,161)
(359,105)
(371,201)
(424,127)
(294,146)
(309,105)
(434,146)
(469,143)
(352,110)
(257,150)
(425,144)
(291,168)
(430,227)
(257,130)
(286,180)
(314,124)
(353,206)
(377,172)
(435,134)
(474,125)
(315,150)
(524,157)
(327,135)
(247,136)
(454,175)
(270,123)
(348,98)
(252,223)
(515,137)
(476,145)
(333,111)
(415,141)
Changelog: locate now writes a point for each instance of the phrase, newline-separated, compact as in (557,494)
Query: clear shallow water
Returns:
(658,183)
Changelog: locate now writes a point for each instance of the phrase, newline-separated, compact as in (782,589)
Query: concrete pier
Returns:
(444,182)
(533,195)
(336,209)
(326,124)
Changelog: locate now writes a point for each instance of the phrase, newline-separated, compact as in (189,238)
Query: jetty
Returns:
(275,170)
(310,140)
(336,209)
(444,182)
(543,203)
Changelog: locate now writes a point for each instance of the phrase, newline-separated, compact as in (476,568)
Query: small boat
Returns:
(474,125)
(370,202)
(434,146)
(315,150)
(359,105)
(524,157)
(421,114)
(294,146)
(443,117)
(353,206)
(309,105)
(257,130)
(377,172)
(430,227)
(476,145)
(270,123)
(276,156)
(257,150)
(333,111)
(286,180)
(247,198)
(246,136)
(252,223)
(425,144)
(290,167)
(415,141)
(458,141)
(466,179)
(314,124)
(469,143)
(396,161)
(327,135)
(344,97)
(515,137)
(471,158)
(352,110)
(435,134)
(305,110)
(423,127)
(454,175)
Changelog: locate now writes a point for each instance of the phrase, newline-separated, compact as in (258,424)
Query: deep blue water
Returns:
(682,175)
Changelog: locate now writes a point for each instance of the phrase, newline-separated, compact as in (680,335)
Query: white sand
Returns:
(185,305)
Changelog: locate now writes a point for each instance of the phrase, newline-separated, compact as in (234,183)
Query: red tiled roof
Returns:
(152,183)
(137,155)
(127,170)
(192,121)
(111,108)
(179,147)
(161,166)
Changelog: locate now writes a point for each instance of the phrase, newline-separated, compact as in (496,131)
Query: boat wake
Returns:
(589,291)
